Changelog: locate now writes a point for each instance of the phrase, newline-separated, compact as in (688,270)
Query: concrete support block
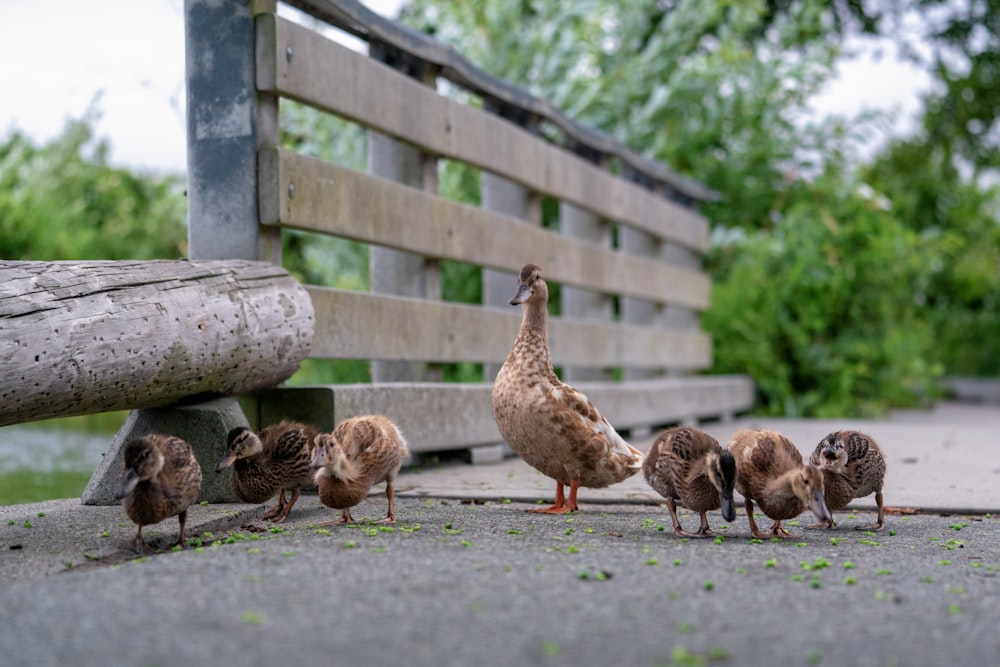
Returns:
(489,454)
(204,425)
(310,405)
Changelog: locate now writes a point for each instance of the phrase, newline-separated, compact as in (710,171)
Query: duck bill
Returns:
(225,462)
(523,294)
(728,506)
(319,458)
(128,484)
(818,506)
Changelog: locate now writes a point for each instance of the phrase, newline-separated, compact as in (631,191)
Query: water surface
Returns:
(43,464)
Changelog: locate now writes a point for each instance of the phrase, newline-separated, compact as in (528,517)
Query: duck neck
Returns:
(533,335)
(341,468)
(781,501)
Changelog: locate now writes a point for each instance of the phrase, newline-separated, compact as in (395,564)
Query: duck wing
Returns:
(772,455)
(580,420)
(690,447)
(286,442)
(865,467)
(288,448)
(181,473)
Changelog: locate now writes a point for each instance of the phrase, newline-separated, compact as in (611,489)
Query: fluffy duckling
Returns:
(361,452)
(853,467)
(689,465)
(277,460)
(161,478)
(550,425)
(769,469)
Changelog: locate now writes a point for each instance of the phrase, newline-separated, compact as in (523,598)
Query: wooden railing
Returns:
(625,251)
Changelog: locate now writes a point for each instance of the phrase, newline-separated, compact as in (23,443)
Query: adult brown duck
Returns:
(853,467)
(273,462)
(360,453)
(161,478)
(689,465)
(548,423)
(769,470)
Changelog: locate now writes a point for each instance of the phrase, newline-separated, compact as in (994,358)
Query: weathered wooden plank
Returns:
(317,196)
(362,325)
(438,416)
(324,74)
(84,337)
(353,17)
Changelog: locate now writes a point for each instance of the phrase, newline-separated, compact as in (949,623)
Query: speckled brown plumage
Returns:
(550,425)
(689,465)
(853,467)
(361,452)
(161,478)
(770,471)
(276,461)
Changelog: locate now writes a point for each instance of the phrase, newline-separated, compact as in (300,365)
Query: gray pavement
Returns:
(467,576)
(943,459)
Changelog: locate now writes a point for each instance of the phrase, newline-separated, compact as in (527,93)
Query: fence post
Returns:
(226,122)
(221,129)
(635,310)
(395,271)
(579,303)
(501,195)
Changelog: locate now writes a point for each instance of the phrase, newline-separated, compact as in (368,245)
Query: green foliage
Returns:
(314,258)
(842,288)
(331,371)
(63,201)
(964,57)
(711,88)
(837,289)
(958,218)
(811,312)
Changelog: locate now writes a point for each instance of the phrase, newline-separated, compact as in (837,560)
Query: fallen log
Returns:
(86,337)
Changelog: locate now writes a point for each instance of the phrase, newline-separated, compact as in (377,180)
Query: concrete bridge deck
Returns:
(466,576)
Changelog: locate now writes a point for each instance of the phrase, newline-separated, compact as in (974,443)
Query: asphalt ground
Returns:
(466,576)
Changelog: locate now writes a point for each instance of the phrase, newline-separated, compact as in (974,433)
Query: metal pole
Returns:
(222,129)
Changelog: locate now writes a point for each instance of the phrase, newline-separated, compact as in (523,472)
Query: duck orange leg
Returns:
(139,544)
(390,516)
(277,509)
(778,531)
(754,530)
(182,518)
(880,523)
(287,507)
(703,531)
(562,505)
(345,517)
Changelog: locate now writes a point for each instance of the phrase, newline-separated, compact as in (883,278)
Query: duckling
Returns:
(361,452)
(689,465)
(161,478)
(853,467)
(549,424)
(277,460)
(769,469)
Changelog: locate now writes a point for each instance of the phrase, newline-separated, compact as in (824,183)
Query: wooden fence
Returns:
(626,248)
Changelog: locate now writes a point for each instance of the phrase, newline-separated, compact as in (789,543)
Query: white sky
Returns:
(60,54)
